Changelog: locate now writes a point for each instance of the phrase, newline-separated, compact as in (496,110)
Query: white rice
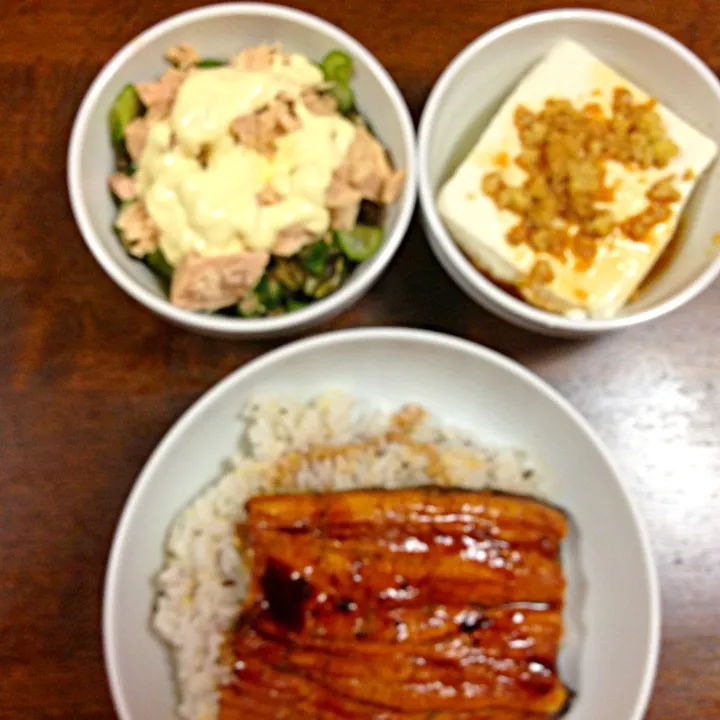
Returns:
(204,579)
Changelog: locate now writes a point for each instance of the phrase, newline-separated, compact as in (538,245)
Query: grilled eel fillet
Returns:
(421,604)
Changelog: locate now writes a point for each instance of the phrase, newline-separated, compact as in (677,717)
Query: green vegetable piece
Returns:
(289,274)
(127,107)
(360,244)
(294,304)
(210,63)
(332,283)
(337,67)
(276,293)
(311,284)
(344,97)
(313,257)
(157,262)
(270,292)
(160,267)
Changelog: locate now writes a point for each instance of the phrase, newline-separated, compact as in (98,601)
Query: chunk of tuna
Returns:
(138,232)
(123,186)
(283,111)
(345,217)
(210,283)
(340,194)
(260,130)
(291,240)
(136,132)
(392,187)
(269,196)
(159,95)
(256,58)
(317,103)
(364,173)
(183,56)
(367,165)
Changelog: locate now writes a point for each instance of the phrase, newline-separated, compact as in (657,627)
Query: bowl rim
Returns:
(410,336)
(357,285)
(528,315)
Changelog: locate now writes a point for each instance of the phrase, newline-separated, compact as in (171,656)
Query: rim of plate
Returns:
(444,243)
(364,277)
(410,336)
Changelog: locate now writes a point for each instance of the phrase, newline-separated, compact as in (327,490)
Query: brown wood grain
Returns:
(90,381)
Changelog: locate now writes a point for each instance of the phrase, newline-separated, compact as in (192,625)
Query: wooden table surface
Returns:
(90,381)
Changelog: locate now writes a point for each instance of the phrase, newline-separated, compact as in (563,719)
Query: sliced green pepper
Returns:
(337,67)
(343,95)
(361,243)
(313,257)
(127,107)
(210,63)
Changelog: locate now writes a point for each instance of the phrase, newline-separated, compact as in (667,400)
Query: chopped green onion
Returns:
(160,267)
(343,95)
(361,243)
(210,63)
(313,257)
(337,67)
(157,262)
(125,108)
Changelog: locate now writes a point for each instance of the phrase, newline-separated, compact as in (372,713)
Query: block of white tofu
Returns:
(479,227)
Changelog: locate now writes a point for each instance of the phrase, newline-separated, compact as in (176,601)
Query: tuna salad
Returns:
(251,187)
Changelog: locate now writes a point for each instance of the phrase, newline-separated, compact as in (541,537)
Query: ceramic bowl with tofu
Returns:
(216,194)
(568,170)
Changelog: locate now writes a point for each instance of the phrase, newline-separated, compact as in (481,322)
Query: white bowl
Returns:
(610,652)
(221,31)
(481,76)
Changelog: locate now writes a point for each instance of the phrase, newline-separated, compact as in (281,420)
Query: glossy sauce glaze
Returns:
(665,260)
(401,605)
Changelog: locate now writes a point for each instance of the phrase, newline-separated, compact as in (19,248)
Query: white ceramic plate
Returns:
(613,618)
